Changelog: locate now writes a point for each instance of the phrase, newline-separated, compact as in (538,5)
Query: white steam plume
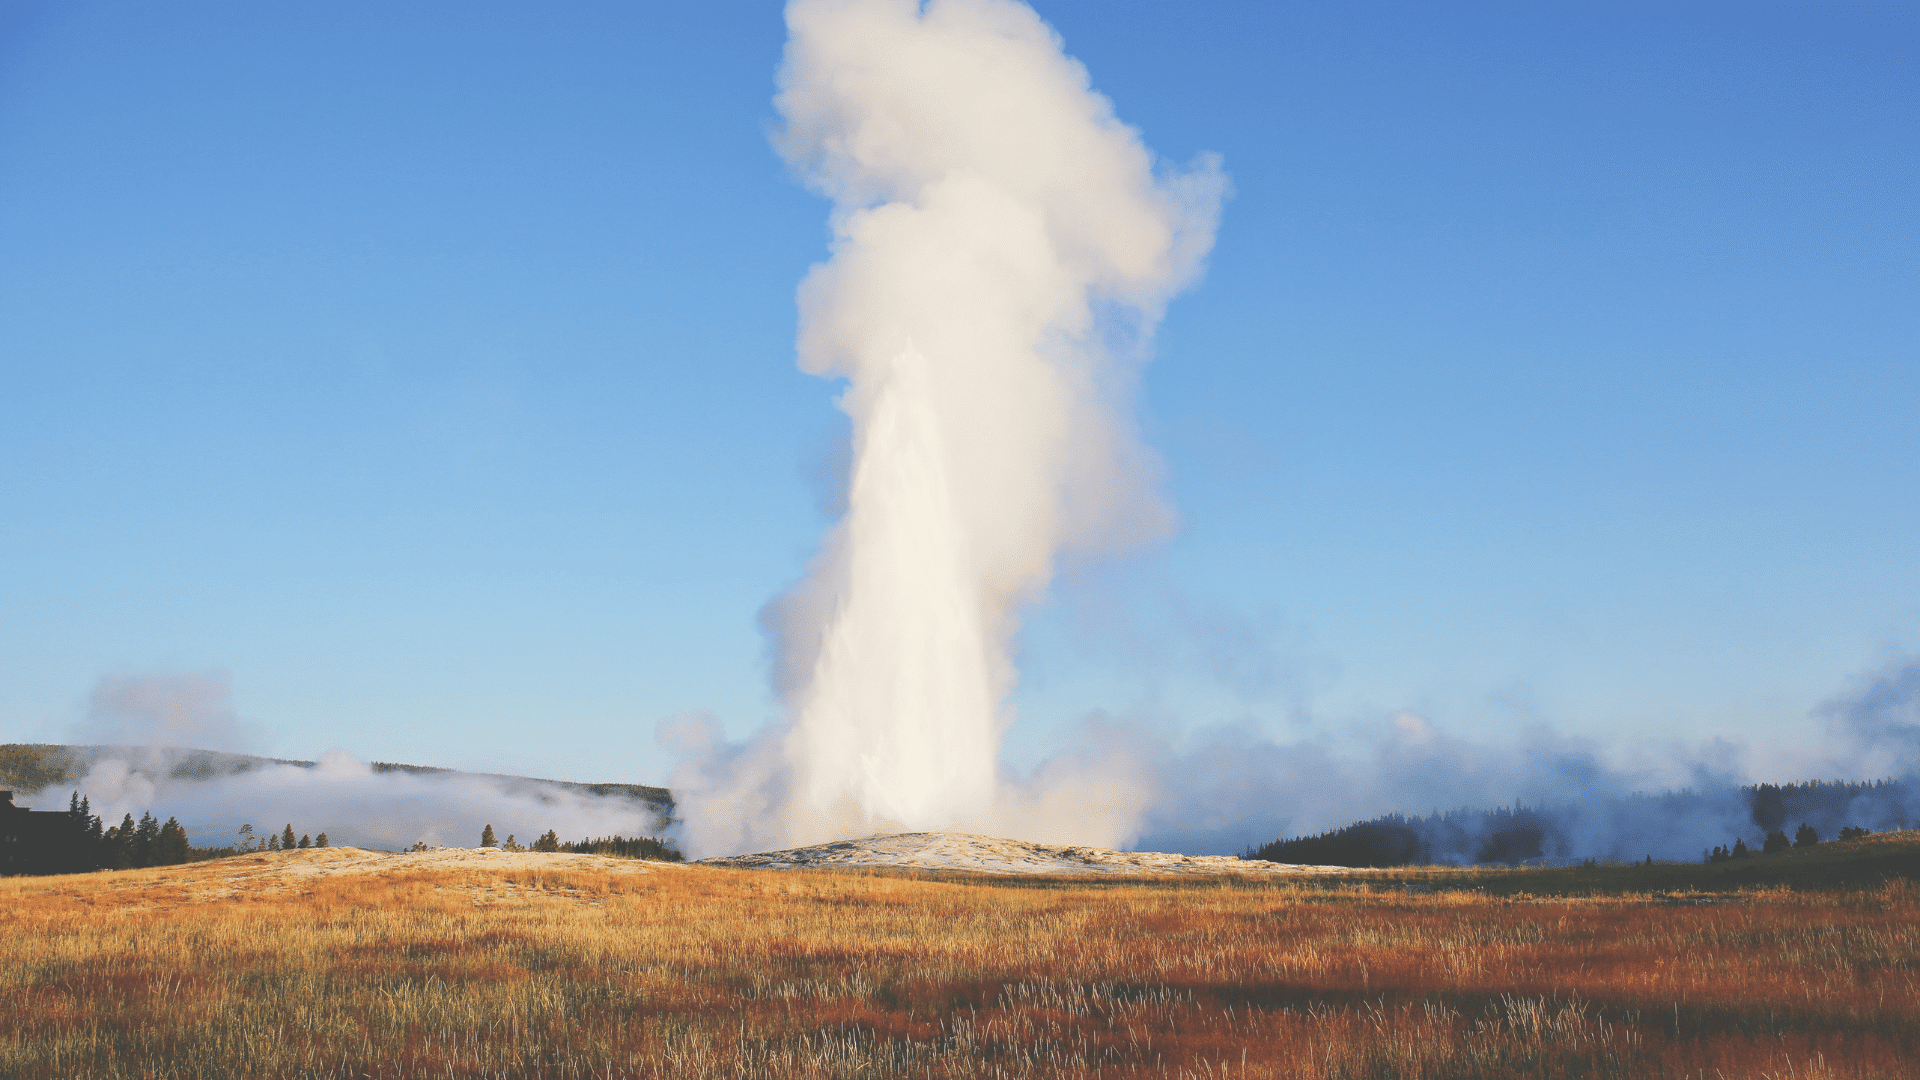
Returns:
(163,708)
(1002,247)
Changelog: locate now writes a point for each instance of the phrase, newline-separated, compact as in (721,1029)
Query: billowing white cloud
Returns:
(1002,248)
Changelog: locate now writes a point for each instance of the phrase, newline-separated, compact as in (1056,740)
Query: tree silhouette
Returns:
(486,836)
(171,843)
(640,847)
(117,845)
(146,841)
(82,846)
(1805,836)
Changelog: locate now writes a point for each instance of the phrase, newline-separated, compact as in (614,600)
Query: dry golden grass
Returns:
(335,964)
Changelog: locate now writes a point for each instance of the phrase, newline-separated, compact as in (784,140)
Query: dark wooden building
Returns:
(33,841)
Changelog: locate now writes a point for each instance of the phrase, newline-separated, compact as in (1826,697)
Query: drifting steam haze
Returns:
(1002,248)
(146,719)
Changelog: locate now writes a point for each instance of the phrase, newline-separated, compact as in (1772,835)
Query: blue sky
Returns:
(427,370)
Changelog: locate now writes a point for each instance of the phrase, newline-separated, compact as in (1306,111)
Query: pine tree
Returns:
(118,844)
(287,840)
(246,838)
(549,842)
(305,841)
(83,837)
(146,840)
(486,836)
(1806,836)
(171,846)
(1740,849)
(320,841)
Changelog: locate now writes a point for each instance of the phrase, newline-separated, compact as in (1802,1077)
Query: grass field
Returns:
(341,964)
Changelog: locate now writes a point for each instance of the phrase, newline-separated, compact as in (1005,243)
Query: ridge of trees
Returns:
(76,840)
(37,766)
(637,847)
(248,841)
(1518,834)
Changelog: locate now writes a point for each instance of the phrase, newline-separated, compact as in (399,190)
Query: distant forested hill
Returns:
(33,766)
(1672,826)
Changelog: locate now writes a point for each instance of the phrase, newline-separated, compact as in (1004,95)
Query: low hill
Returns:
(35,766)
(1675,826)
(290,874)
(971,853)
(1865,863)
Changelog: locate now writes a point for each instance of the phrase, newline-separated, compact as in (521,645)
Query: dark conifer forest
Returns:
(76,841)
(1723,825)
(638,847)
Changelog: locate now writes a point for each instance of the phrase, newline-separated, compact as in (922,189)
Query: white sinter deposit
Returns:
(952,851)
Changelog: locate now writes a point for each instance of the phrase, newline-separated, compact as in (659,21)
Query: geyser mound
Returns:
(972,853)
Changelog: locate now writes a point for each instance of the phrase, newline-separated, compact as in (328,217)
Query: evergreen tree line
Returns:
(283,840)
(1626,827)
(1805,836)
(1773,805)
(1502,835)
(638,847)
(77,841)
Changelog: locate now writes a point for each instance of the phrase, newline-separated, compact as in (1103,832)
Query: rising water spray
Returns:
(1002,247)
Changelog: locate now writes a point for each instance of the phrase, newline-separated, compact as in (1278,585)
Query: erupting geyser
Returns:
(1002,248)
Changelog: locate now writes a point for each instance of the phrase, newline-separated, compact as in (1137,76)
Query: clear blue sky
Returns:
(427,368)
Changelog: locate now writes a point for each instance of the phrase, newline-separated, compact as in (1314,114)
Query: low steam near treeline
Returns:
(1447,800)
(133,757)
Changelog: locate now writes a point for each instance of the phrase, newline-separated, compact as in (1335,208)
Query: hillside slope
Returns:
(35,766)
(1866,863)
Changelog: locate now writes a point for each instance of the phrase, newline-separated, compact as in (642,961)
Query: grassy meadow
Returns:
(582,966)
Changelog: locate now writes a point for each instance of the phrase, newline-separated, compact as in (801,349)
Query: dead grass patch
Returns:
(326,964)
